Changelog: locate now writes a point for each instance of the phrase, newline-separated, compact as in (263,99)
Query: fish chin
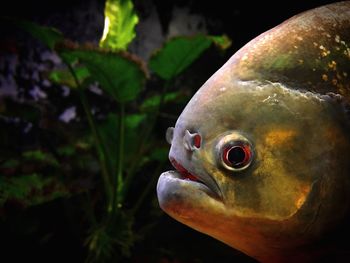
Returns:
(178,195)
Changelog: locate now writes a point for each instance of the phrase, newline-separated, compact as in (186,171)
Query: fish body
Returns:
(261,151)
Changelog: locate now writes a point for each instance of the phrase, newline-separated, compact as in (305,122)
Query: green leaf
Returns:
(152,103)
(223,42)
(47,35)
(177,54)
(30,189)
(64,77)
(133,133)
(180,52)
(121,75)
(120,22)
(40,156)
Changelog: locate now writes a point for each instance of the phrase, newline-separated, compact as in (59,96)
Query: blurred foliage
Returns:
(120,145)
(134,123)
(31,189)
(121,75)
(223,42)
(64,76)
(120,22)
(180,52)
(24,110)
(151,103)
(177,55)
(47,35)
(40,156)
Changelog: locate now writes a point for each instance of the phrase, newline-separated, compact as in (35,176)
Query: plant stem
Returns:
(118,178)
(100,148)
(145,138)
(121,148)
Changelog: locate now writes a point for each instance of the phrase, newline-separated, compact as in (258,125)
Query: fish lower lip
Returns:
(174,182)
(184,174)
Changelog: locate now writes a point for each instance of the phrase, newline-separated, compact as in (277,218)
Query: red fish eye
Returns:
(237,156)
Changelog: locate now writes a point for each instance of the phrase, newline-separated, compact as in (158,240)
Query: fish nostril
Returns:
(192,141)
(169,134)
(197,140)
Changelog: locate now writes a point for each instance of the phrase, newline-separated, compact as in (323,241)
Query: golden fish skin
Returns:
(262,150)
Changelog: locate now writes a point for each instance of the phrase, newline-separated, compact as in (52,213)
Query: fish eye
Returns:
(237,156)
(234,152)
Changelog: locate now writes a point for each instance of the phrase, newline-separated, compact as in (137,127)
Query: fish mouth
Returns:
(203,182)
(184,172)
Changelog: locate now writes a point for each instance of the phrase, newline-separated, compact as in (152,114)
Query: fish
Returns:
(261,151)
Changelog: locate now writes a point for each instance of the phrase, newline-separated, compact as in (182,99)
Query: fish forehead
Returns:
(246,106)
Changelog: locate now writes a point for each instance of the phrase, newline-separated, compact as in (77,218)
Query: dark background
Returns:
(240,20)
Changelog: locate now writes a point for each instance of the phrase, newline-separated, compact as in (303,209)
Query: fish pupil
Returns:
(236,155)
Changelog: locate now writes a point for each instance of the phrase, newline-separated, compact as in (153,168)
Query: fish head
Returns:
(259,166)
(261,150)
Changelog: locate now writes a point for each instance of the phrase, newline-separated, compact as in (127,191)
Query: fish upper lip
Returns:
(205,180)
(184,172)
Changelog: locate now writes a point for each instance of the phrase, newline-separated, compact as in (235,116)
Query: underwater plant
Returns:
(99,165)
